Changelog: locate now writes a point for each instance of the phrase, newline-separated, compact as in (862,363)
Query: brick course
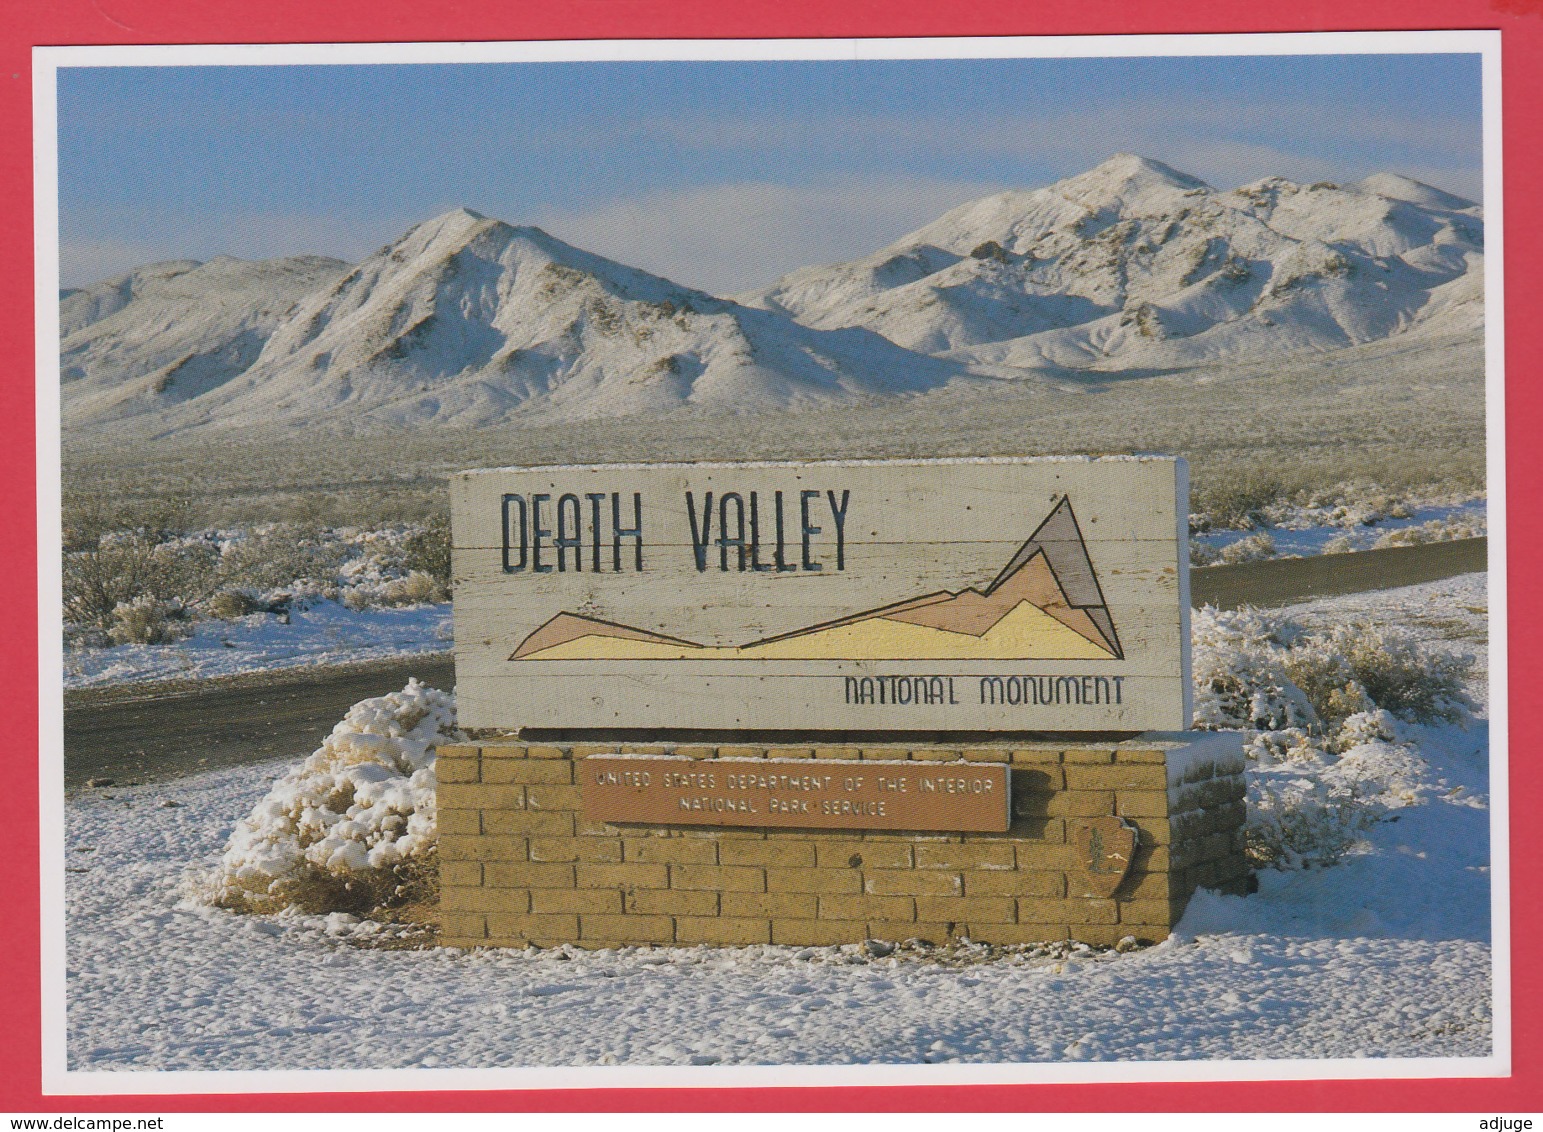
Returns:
(520,864)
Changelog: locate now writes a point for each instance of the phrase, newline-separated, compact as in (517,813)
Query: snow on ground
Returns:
(324,633)
(1305,531)
(1451,615)
(1386,954)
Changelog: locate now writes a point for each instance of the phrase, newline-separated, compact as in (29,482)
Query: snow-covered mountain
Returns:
(1135,264)
(467,320)
(81,306)
(169,333)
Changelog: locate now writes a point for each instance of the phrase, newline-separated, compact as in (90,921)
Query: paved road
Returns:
(1283,581)
(146,734)
(131,736)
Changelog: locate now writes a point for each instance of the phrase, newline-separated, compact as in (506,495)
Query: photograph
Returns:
(624,563)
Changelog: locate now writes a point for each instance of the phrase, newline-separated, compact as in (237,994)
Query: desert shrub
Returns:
(124,566)
(1357,505)
(352,828)
(1239,677)
(148,621)
(1312,799)
(415,589)
(100,578)
(364,893)
(1258,671)
(1326,760)
(1300,820)
(229,604)
(1202,554)
(1249,549)
(229,574)
(1339,544)
(1364,727)
(428,549)
(1436,530)
(86,519)
(280,554)
(1351,668)
(1237,502)
(359,599)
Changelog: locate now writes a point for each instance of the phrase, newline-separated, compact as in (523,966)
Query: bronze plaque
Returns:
(1105,848)
(799,793)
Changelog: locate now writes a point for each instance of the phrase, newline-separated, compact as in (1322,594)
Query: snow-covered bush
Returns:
(1353,668)
(1353,508)
(229,604)
(1239,674)
(125,566)
(1253,503)
(1311,799)
(1436,530)
(1318,708)
(1259,671)
(1236,503)
(352,828)
(148,620)
(1299,820)
(272,569)
(414,589)
(427,549)
(275,556)
(1249,549)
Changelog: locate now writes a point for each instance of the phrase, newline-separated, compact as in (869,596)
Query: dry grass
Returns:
(387,895)
(417,927)
(1400,415)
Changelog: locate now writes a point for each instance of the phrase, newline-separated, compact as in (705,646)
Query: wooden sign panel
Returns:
(1002,594)
(796,793)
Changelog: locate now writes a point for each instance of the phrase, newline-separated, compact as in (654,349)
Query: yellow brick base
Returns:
(521,864)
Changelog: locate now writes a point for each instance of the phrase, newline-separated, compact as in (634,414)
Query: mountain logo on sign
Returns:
(1046,604)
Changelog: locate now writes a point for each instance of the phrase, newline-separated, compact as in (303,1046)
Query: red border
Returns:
(31,23)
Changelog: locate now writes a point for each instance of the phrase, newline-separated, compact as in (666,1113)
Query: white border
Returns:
(660,50)
(45,245)
(58,1079)
(1499,622)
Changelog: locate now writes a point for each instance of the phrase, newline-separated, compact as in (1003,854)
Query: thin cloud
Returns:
(733,237)
(1112,125)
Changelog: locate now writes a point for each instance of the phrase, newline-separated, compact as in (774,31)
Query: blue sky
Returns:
(721,175)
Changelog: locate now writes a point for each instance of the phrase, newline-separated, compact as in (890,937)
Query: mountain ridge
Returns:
(467,321)
(1132,263)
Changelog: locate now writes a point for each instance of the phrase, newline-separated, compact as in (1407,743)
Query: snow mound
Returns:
(353,827)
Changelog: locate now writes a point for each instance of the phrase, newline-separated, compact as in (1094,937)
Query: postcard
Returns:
(734,563)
